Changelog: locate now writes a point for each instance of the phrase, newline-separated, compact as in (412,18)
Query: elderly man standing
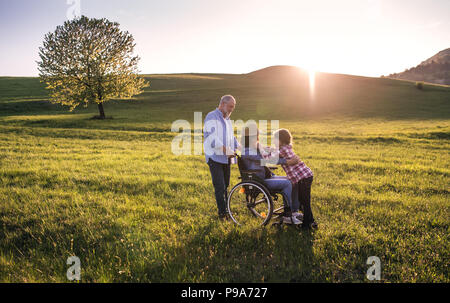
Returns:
(220,146)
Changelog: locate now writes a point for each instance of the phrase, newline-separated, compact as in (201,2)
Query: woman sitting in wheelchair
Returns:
(254,156)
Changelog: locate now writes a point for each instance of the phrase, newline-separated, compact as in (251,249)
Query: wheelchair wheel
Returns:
(249,203)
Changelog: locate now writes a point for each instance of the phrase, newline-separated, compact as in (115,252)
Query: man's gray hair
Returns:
(227,98)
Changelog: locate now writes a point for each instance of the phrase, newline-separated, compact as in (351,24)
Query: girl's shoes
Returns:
(312,225)
(298,215)
(291,220)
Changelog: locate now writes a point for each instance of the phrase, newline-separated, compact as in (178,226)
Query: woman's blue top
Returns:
(252,161)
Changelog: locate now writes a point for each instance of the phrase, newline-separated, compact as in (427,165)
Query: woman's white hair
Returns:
(227,98)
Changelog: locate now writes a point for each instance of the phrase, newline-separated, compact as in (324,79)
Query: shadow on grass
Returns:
(240,255)
(39,245)
(34,107)
(75,131)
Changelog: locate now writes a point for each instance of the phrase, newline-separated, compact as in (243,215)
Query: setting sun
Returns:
(312,81)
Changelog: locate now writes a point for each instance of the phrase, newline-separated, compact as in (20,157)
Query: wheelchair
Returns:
(250,202)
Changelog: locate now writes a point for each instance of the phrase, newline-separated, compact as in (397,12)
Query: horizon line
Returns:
(225,73)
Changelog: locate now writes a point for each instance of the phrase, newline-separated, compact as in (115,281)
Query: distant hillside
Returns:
(433,70)
(277,71)
(277,92)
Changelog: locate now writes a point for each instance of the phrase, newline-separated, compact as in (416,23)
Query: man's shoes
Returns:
(291,220)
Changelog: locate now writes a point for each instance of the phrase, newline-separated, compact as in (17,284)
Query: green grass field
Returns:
(112,193)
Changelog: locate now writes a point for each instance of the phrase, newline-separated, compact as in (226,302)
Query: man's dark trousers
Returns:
(220,174)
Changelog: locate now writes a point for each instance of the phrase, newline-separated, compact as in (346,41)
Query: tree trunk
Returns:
(101,111)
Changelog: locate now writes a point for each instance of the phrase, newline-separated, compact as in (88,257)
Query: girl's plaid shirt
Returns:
(297,172)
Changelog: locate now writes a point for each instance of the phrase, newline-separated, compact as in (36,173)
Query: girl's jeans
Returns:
(302,196)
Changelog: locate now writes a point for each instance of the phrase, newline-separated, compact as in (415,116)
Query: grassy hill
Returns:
(112,193)
(281,91)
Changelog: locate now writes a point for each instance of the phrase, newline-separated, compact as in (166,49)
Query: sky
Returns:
(358,37)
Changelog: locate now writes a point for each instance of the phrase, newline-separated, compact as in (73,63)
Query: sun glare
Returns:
(312,81)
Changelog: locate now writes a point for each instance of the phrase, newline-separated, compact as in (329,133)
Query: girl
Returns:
(300,175)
